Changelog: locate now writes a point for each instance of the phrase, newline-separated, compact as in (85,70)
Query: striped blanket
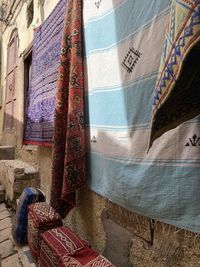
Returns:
(41,94)
(123,47)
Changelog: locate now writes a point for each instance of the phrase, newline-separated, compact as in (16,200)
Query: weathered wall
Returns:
(171,246)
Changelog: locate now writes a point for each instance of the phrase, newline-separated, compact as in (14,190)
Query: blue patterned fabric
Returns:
(41,93)
(19,230)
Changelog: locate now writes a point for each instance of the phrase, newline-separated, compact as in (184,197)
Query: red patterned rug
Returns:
(68,166)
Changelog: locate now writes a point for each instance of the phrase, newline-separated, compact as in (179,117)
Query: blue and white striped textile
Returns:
(123,45)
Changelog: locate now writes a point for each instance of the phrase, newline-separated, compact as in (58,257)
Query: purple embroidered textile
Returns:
(41,94)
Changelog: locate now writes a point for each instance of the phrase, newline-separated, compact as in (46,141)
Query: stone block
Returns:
(6,249)
(2,207)
(4,214)
(15,175)
(118,242)
(11,261)
(5,234)
(5,223)
(7,152)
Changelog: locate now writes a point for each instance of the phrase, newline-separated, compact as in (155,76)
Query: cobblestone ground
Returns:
(10,254)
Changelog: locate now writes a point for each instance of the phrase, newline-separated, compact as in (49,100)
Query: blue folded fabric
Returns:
(19,229)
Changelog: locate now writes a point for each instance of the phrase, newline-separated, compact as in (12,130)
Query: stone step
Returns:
(12,260)
(7,152)
(6,249)
(15,175)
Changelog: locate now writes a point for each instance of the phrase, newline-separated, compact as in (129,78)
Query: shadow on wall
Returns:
(34,155)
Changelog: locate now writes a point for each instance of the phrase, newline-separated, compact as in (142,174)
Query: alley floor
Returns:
(10,254)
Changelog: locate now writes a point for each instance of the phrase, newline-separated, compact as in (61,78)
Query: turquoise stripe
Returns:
(124,84)
(144,161)
(119,129)
(125,106)
(120,23)
(162,192)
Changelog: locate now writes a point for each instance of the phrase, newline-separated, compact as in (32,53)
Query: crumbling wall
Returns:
(169,246)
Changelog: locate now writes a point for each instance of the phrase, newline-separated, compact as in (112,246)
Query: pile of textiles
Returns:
(52,244)
(62,247)
(40,101)
(19,227)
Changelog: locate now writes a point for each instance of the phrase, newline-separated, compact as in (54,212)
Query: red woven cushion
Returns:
(61,247)
(85,257)
(62,241)
(42,213)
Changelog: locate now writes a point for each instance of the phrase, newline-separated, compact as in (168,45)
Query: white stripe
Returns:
(105,69)
(124,85)
(133,144)
(92,13)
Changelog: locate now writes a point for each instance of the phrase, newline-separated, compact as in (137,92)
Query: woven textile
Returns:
(19,227)
(41,217)
(41,92)
(68,166)
(177,94)
(123,43)
(61,247)
(86,258)
(60,241)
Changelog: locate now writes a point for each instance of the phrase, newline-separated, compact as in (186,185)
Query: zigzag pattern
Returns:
(177,54)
